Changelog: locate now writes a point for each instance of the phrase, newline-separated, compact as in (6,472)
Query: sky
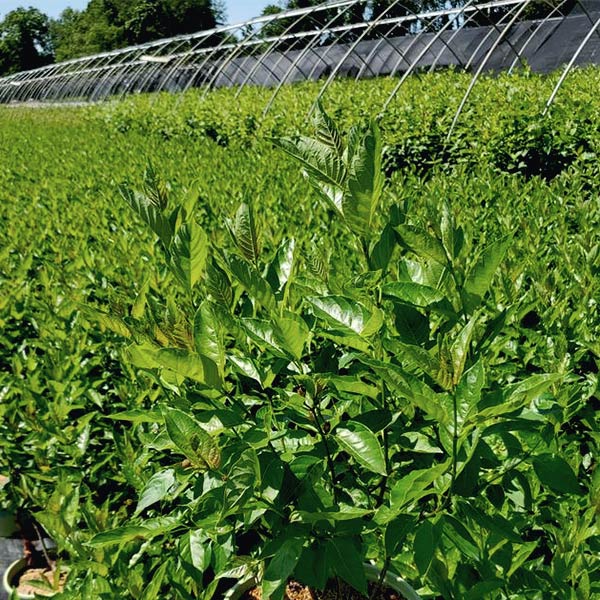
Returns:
(237,10)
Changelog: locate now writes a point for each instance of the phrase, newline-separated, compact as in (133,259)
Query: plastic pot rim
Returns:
(9,574)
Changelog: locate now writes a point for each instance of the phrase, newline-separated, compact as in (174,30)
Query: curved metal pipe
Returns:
(20,81)
(327,50)
(368,29)
(569,66)
(402,56)
(236,51)
(49,74)
(264,56)
(421,54)
(475,77)
(474,12)
(185,59)
(541,24)
(331,48)
(210,52)
(236,62)
(495,27)
(103,88)
(78,85)
(188,59)
(464,25)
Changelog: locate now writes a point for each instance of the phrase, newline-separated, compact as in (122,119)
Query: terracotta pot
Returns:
(372,572)
(10,576)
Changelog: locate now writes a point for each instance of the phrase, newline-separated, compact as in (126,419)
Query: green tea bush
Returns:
(502,124)
(543,145)
(278,356)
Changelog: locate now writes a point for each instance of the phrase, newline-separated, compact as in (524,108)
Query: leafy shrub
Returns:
(90,443)
(327,417)
(540,145)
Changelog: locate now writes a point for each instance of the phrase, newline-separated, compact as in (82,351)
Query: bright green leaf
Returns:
(482,272)
(188,253)
(156,489)
(189,364)
(362,444)
(413,293)
(191,439)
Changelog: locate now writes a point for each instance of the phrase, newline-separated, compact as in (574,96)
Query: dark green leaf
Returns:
(258,289)
(218,284)
(120,535)
(189,364)
(555,473)
(345,561)
(415,485)
(381,253)
(412,325)
(396,532)
(459,535)
(312,568)
(413,357)
(491,522)
(483,589)
(152,590)
(426,542)
(280,567)
(422,243)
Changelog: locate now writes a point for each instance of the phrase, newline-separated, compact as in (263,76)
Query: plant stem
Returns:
(384,480)
(47,558)
(365,248)
(446,502)
(330,464)
(454,442)
(384,570)
(386,451)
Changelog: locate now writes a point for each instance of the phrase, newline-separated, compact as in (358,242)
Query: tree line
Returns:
(30,39)
(387,11)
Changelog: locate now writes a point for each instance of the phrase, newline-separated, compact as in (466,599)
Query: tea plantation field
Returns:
(297,354)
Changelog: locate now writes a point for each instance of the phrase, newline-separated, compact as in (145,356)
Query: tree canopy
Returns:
(29,39)
(25,41)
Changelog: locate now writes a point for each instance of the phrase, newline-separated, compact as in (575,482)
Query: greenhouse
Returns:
(324,42)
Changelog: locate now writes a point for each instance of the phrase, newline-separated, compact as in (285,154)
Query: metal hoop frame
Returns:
(244,54)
